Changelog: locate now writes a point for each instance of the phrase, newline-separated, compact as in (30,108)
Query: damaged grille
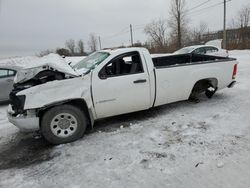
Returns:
(17,102)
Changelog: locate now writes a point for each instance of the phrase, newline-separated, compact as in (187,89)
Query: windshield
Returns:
(91,61)
(184,50)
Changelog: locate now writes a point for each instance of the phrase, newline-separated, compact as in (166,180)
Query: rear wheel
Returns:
(200,87)
(63,124)
(210,92)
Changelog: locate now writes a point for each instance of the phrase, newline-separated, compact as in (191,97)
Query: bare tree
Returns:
(45,52)
(198,33)
(70,44)
(81,47)
(92,42)
(240,24)
(177,20)
(156,31)
(244,16)
(233,24)
(243,21)
(63,52)
(203,28)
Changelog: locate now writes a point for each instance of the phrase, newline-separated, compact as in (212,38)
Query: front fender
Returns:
(56,91)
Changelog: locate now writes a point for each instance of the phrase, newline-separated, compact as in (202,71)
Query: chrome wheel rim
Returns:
(63,125)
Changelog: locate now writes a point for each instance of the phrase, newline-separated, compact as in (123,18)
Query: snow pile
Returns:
(19,61)
(32,61)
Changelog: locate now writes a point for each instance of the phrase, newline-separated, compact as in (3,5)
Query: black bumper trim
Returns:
(232,84)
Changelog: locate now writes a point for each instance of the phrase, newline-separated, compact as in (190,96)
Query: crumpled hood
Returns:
(50,62)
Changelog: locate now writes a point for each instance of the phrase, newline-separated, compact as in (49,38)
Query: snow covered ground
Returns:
(178,145)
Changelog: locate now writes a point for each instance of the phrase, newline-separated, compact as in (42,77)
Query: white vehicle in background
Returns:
(62,101)
(213,48)
(204,50)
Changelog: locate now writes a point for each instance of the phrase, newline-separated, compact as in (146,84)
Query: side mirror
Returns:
(102,75)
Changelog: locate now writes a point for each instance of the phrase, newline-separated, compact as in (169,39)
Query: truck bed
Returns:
(176,75)
(186,59)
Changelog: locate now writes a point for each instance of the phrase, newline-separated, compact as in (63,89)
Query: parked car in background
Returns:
(204,50)
(7,74)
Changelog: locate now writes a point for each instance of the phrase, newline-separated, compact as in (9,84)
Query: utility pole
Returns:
(225,24)
(0,6)
(131,34)
(100,42)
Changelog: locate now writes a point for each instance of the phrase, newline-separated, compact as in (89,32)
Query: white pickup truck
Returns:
(62,101)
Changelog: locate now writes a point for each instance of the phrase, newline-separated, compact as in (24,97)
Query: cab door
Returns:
(122,86)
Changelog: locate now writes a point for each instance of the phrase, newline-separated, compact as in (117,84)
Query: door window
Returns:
(211,49)
(129,63)
(200,51)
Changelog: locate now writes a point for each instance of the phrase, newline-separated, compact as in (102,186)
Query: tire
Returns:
(63,124)
(210,94)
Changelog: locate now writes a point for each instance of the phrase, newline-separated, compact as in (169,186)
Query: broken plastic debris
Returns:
(220,164)
(198,164)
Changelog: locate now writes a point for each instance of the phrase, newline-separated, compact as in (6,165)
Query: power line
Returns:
(127,30)
(209,7)
(140,25)
(199,5)
(121,32)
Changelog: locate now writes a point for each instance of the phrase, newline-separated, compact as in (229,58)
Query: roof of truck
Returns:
(122,50)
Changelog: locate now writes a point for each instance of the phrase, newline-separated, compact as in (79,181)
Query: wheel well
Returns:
(201,85)
(79,103)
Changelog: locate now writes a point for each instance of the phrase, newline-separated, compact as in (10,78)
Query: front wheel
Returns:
(63,124)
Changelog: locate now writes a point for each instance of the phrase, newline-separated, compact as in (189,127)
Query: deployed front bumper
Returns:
(26,123)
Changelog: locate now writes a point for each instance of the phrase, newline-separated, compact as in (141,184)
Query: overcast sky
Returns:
(29,26)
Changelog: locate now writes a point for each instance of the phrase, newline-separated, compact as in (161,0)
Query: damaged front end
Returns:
(17,102)
(28,120)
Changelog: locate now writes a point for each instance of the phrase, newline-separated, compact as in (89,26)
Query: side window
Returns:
(3,73)
(200,51)
(129,63)
(214,49)
(211,49)
(11,73)
(7,73)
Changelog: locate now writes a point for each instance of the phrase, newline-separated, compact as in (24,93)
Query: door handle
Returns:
(9,80)
(140,81)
